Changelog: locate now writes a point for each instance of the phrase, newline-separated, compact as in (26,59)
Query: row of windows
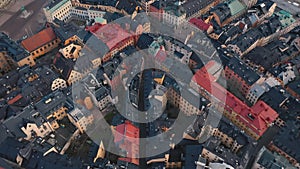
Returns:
(80,12)
(66,9)
(43,48)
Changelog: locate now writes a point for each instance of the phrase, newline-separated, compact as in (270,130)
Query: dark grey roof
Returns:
(270,160)
(144,41)
(230,130)
(3,134)
(226,154)
(63,65)
(129,50)
(243,71)
(84,62)
(95,9)
(156,4)
(126,165)
(95,48)
(192,153)
(288,139)
(100,75)
(110,67)
(222,11)
(263,56)
(50,103)
(15,51)
(292,109)
(275,92)
(15,123)
(3,112)
(5,164)
(295,86)
(101,93)
(66,30)
(277,70)
(199,64)
(32,94)
(63,134)
(230,33)
(54,160)
(244,41)
(193,6)
(8,82)
(46,73)
(127,5)
(9,149)
(100,2)
(53,3)
(112,16)
(80,8)
(175,155)
(13,110)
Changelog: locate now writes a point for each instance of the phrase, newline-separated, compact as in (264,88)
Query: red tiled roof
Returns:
(130,160)
(115,82)
(40,39)
(127,137)
(199,23)
(262,114)
(13,100)
(126,130)
(94,27)
(161,55)
(112,34)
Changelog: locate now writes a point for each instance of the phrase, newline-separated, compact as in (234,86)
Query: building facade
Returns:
(80,120)
(12,55)
(145,4)
(240,76)
(174,15)
(58,10)
(58,84)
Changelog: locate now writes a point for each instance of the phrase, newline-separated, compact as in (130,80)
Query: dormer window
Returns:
(251,117)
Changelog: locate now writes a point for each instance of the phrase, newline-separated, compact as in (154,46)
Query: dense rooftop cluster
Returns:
(233,70)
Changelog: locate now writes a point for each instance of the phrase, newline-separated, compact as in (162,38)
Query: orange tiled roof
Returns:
(13,100)
(40,39)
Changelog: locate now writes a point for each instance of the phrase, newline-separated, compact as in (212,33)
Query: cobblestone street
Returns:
(17,27)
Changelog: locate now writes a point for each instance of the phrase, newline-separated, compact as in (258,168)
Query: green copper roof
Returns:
(54,8)
(236,6)
(285,18)
(100,20)
(153,48)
